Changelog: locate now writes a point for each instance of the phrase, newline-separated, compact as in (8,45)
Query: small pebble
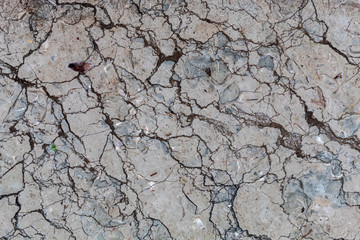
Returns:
(81,67)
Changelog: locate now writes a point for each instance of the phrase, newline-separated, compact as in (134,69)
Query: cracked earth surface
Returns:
(198,120)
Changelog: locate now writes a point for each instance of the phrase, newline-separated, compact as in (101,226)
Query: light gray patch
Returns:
(220,40)
(219,72)
(231,93)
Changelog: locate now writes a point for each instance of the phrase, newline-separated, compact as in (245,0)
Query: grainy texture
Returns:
(198,120)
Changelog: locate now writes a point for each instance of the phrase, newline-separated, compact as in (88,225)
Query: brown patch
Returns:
(321,101)
(81,67)
(307,234)
(339,76)
(208,71)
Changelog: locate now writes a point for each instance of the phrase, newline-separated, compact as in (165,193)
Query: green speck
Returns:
(53,147)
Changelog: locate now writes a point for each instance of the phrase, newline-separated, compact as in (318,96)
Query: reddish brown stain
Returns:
(81,67)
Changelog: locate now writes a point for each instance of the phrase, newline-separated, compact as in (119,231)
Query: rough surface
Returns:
(197,119)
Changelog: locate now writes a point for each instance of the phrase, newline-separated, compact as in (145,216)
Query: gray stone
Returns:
(219,72)
(267,62)
(231,93)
